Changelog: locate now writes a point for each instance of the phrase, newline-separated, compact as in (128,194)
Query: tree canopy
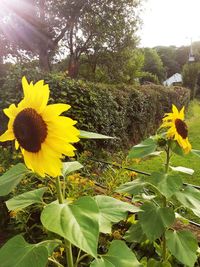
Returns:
(45,28)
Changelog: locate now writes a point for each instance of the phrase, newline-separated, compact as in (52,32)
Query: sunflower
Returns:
(38,129)
(178,129)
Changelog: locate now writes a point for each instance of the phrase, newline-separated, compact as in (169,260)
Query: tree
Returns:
(44,27)
(190,77)
(153,63)
(168,57)
(106,26)
(34,26)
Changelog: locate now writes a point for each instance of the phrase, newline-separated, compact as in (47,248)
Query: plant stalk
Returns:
(164,247)
(68,246)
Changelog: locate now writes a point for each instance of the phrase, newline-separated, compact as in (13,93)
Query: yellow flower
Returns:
(39,130)
(178,129)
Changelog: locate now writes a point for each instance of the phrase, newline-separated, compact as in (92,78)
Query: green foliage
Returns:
(153,63)
(183,245)
(127,112)
(169,58)
(77,222)
(26,199)
(23,254)
(154,220)
(118,255)
(167,184)
(143,149)
(11,178)
(109,214)
(190,76)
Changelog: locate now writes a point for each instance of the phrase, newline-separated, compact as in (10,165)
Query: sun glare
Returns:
(170,22)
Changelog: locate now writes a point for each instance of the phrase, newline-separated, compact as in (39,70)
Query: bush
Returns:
(122,111)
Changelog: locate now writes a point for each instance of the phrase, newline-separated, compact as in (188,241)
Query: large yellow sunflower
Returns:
(39,131)
(178,129)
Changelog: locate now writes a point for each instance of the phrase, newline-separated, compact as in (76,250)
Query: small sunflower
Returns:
(178,129)
(39,130)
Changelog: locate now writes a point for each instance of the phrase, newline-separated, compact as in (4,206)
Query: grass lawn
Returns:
(190,161)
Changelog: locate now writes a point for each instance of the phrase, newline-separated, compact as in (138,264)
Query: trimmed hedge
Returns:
(123,111)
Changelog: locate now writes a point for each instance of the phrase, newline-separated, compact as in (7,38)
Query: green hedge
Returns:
(123,111)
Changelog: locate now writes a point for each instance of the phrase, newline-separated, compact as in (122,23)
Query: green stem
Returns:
(69,255)
(68,246)
(59,191)
(164,247)
(57,263)
(80,259)
(167,159)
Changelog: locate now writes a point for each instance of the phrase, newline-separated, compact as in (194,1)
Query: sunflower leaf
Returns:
(183,245)
(17,252)
(10,179)
(118,255)
(77,222)
(190,198)
(133,188)
(196,152)
(92,135)
(154,220)
(167,184)
(183,170)
(110,214)
(176,148)
(26,199)
(69,167)
(143,149)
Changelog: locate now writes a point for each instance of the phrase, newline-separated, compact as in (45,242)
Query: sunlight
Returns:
(170,22)
(6,6)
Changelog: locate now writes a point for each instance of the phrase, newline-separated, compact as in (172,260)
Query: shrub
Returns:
(127,112)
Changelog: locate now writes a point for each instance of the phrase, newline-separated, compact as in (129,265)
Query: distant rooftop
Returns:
(176,78)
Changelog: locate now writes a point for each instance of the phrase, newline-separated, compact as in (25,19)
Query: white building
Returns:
(174,79)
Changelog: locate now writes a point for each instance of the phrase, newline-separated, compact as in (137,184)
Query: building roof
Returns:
(176,78)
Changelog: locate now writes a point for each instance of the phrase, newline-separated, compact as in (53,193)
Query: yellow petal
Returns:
(54,110)
(35,96)
(25,86)
(16,145)
(11,111)
(181,113)
(175,110)
(7,136)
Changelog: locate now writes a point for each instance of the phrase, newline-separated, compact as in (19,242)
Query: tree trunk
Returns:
(44,61)
(73,67)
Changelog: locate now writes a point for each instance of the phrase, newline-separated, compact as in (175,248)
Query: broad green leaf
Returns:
(101,263)
(77,222)
(92,135)
(183,170)
(69,167)
(26,199)
(112,211)
(143,149)
(167,184)
(183,246)
(176,148)
(154,220)
(118,255)
(50,246)
(10,179)
(196,152)
(133,188)
(154,263)
(18,253)
(190,198)
(135,233)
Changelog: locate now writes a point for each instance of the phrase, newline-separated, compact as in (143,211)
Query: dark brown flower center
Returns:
(30,130)
(181,128)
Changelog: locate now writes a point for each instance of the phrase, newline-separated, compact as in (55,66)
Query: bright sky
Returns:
(170,22)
